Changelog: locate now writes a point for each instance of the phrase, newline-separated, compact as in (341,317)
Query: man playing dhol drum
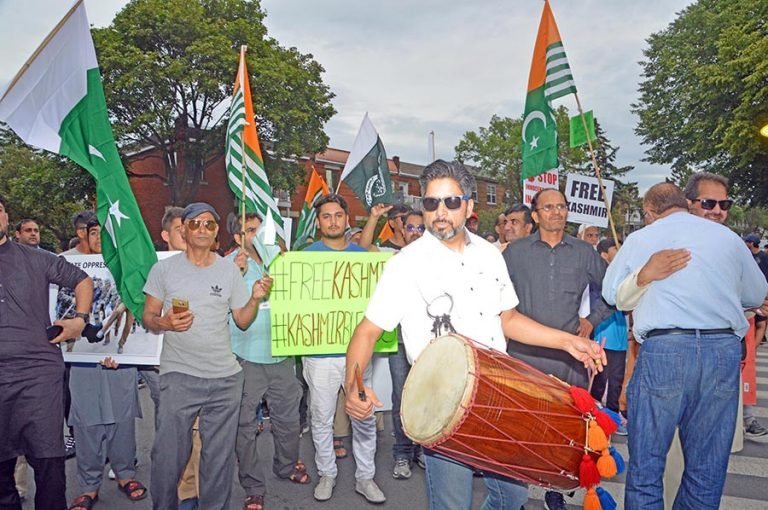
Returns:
(451,278)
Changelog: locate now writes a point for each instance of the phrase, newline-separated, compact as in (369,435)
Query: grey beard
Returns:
(443,235)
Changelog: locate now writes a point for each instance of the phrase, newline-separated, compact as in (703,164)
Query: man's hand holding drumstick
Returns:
(361,399)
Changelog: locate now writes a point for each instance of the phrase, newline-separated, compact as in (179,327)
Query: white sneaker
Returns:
(324,488)
(370,491)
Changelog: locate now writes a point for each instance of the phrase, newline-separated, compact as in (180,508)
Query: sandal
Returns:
(84,502)
(253,503)
(132,486)
(338,448)
(299,474)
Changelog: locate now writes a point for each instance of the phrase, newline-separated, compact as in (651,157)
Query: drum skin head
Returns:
(438,390)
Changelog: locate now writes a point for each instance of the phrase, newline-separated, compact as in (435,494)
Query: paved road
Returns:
(746,486)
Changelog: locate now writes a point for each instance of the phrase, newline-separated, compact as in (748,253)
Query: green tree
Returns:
(704,94)
(168,68)
(44,187)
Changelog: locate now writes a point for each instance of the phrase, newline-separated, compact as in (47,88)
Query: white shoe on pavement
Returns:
(324,488)
(370,491)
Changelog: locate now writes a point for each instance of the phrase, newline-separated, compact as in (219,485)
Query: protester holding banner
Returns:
(189,296)
(32,370)
(448,260)
(325,375)
(266,376)
(105,405)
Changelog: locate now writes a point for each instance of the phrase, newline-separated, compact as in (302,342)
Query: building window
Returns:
(491,194)
(474,193)
(403,186)
(329,178)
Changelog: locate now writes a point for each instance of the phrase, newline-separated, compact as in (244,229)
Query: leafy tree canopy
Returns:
(169,66)
(704,94)
(44,187)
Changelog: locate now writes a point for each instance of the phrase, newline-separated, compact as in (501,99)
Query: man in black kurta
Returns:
(32,368)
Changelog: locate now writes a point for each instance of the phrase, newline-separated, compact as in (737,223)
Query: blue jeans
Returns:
(690,382)
(449,487)
(403,448)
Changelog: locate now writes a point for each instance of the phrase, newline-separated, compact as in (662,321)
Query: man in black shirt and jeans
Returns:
(32,368)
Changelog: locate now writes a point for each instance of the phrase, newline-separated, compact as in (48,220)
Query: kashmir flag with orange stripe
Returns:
(386,233)
(243,154)
(550,79)
(316,188)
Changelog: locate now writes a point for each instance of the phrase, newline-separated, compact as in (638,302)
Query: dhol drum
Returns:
(493,412)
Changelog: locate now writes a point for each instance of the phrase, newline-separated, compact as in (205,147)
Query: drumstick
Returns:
(359,380)
(590,374)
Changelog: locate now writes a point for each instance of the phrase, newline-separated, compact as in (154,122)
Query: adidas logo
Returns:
(215,290)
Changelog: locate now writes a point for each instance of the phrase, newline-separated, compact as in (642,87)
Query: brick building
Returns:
(147,171)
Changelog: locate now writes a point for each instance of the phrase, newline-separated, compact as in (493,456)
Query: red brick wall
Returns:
(153,195)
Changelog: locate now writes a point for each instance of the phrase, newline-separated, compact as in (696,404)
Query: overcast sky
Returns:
(429,65)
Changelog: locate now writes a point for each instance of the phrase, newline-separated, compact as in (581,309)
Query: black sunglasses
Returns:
(453,202)
(414,228)
(709,203)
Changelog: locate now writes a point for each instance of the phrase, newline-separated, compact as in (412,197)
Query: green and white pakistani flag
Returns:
(366,170)
(56,103)
(550,79)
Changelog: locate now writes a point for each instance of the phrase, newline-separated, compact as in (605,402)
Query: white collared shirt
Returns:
(475,279)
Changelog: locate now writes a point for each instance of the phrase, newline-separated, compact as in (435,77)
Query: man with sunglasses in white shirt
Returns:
(450,261)
(189,297)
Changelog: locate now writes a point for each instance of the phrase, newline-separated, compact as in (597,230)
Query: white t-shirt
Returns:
(425,272)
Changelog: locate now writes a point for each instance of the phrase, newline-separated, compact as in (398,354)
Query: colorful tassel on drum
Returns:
(606,422)
(582,399)
(618,459)
(606,500)
(596,437)
(589,476)
(616,417)
(591,500)
(606,465)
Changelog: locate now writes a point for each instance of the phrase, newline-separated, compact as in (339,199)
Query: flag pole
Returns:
(41,48)
(597,171)
(242,153)
(338,186)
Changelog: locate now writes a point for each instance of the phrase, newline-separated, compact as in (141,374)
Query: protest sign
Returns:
(123,338)
(532,185)
(318,299)
(585,200)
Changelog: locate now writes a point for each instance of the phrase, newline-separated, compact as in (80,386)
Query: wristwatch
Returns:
(85,316)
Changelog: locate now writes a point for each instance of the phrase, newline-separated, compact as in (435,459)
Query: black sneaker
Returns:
(756,432)
(554,501)
(69,447)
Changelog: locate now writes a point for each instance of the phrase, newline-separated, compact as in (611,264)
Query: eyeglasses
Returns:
(195,224)
(709,203)
(414,228)
(452,203)
(551,207)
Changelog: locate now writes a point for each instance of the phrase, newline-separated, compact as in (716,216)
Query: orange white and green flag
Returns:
(550,78)
(243,154)
(316,188)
